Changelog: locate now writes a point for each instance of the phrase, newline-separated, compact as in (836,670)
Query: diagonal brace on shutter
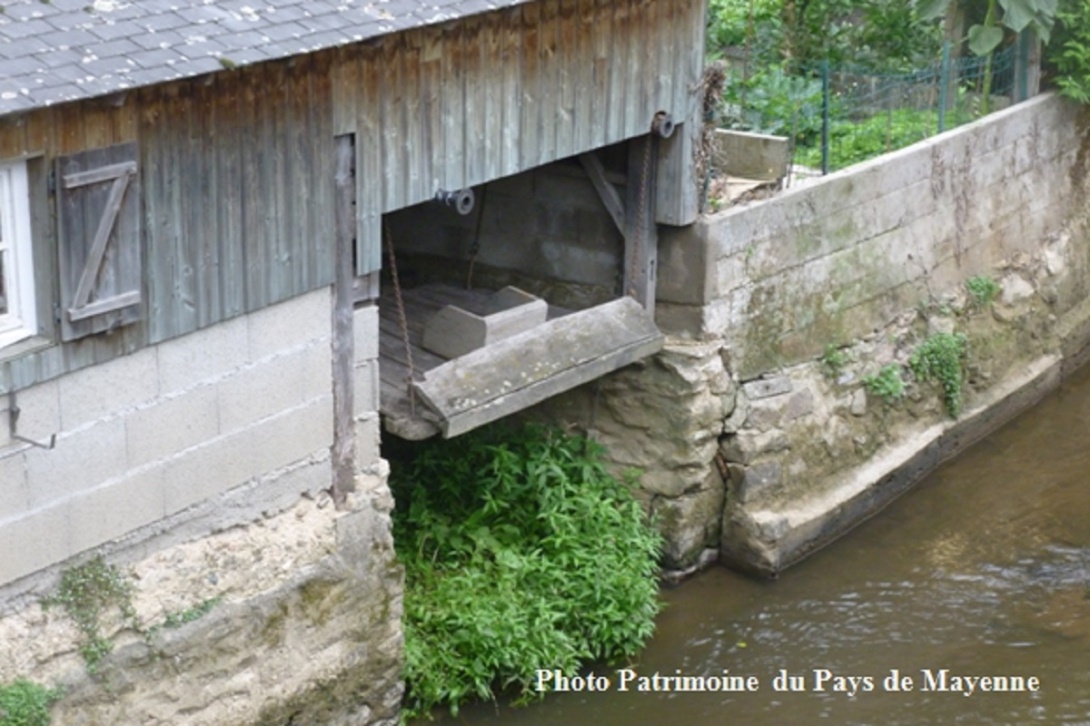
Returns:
(121,174)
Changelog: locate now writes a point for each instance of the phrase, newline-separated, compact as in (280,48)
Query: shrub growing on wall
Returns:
(521,553)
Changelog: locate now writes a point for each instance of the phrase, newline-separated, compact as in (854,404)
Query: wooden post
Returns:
(343,452)
(641,233)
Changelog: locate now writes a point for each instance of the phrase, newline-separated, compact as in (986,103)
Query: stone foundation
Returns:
(754,429)
(302,625)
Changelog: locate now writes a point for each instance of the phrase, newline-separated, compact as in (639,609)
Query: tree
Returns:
(984,37)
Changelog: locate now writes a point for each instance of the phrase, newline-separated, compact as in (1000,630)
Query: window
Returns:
(17,305)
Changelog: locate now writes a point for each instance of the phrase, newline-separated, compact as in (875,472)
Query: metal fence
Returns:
(836,116)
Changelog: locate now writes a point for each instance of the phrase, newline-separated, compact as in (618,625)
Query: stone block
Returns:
(24,547)
(765,414)
(290,324)
(39,411)
(368,440)
(206,471)
(902,170)
(14,498)
(81,461)
(263,389)
(365,332)
(116,509)
(765,388)
(202,356)
(686,271)
(799,404)
(891,210)
(292,435)
(730,273)
(366,383)
(171,425)
(5,428)
(858,406)
(692,523)
(317,371)
(731,450)
(760,478)
(109,388)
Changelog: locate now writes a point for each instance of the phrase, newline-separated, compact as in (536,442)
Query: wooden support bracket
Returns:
(611,198)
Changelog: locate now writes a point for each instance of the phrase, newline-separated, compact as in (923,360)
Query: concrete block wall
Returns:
(836,258)
(143,438)
(548,223)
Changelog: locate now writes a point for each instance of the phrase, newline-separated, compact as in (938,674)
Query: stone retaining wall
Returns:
(779,310)
(201,469)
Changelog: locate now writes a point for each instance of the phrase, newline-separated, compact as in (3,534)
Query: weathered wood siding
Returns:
(459,104)
(237,168)
(239,175)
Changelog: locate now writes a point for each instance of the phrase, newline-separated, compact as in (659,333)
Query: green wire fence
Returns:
(836,116)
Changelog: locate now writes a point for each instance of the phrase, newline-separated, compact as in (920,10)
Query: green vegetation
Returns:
(983,289)
(833,361)
(853,141)
(1072,54)
(887,33)
(86,592)
(175,619)
(25,703)
(887,383)
(939,358)
(521,552)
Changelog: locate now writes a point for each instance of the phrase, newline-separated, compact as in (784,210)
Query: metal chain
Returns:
(641,222)
(401,319)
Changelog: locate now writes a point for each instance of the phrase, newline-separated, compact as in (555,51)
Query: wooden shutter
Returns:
(98,212)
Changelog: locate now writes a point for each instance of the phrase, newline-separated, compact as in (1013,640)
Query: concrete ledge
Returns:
(765,541)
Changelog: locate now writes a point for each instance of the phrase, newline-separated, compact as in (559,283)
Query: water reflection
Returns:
(982,570)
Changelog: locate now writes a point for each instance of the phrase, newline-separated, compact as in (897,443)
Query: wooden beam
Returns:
(640,231)
(610,197)
(343,453)
(518,372)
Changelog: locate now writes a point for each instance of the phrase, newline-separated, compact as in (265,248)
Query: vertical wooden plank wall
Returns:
(240,178)
(459,104)
(237,167)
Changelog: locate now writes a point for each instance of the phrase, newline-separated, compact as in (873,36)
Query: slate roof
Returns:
(62,50)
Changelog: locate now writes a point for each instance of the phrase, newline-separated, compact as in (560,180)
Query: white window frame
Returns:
(21,320)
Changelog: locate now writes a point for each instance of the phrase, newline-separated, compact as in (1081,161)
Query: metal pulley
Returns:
(460,199)
(663,125)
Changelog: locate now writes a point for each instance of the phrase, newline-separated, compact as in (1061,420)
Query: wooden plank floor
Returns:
(402,416)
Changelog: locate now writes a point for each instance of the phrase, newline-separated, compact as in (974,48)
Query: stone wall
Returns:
(778,311)
(201,468)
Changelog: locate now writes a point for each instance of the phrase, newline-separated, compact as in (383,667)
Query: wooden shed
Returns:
(177,164)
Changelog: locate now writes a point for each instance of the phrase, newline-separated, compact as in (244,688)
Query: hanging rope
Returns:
(475,248)
(401,319)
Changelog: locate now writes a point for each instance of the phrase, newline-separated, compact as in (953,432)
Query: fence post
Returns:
(944,84)
(825,116)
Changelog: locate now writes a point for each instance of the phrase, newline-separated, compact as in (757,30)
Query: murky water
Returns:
(983,569)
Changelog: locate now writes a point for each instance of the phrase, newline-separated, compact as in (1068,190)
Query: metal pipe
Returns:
(460,199)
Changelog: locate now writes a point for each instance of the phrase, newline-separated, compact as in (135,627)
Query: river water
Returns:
(983,569)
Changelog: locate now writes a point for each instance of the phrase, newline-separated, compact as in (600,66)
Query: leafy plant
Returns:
(887,383)
(86,592)
(983,289)
(983,38)
(854,141)
(833,360)
(775,102)
(26,703)
(521,552)
(1072,58)
(175,619)
(733,22)
(939,358)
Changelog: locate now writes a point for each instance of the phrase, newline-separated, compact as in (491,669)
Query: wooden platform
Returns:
(451,397)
